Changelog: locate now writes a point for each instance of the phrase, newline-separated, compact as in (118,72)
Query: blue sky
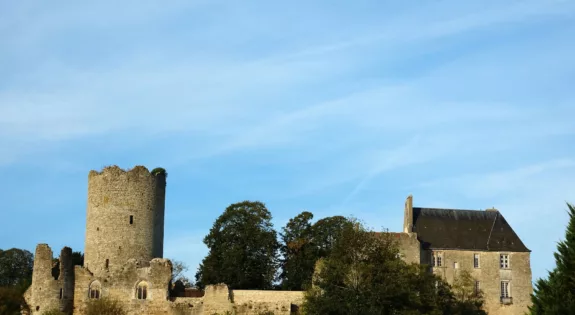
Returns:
(335,107)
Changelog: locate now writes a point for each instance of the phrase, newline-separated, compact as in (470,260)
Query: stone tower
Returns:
(125,217)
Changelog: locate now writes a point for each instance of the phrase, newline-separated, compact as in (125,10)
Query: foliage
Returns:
(53,312)
(242,249)
(556,294)
(77,258)
(15,266)
(298,253)
(363,274)
(15,277)
(10,300)
(326,231)
(302,244)
(104,306)
(178,269)
(159,171)
(467,300)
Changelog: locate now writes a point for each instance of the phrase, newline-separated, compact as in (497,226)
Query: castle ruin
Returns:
(124,256)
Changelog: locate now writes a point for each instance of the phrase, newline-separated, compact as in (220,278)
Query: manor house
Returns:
(123,256)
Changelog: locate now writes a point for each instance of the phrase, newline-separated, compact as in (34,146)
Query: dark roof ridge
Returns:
(492,226)
(449,209)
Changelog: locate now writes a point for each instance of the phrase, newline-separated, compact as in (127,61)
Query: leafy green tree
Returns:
(298,252)
(326,231)
(556,294)
(467,299)
(15,266)
(243,249)
(363,274)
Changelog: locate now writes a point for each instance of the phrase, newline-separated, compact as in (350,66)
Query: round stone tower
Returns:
(125,217)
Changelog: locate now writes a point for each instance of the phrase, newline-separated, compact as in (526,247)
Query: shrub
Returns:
(159,171)
(104,306)
(53,311)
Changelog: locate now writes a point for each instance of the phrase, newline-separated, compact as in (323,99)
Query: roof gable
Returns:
(465,229)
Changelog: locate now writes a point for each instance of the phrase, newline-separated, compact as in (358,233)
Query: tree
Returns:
(178,269)
(467,299)
(326,231)
(298,253)
(77,258)
(363,274)
(556,294)
(243,248)
(15,267)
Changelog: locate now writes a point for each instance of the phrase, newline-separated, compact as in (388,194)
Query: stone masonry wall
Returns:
(52,284)
(253,302)
(490,275)
(121,284)
(409,247)
(125,217)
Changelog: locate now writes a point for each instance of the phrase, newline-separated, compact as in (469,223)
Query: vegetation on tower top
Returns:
(159,171)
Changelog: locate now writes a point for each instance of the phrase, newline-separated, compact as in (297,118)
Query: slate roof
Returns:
(465,229)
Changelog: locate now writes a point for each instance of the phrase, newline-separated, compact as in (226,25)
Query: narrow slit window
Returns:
(131,219)
(107,263)
(61,293)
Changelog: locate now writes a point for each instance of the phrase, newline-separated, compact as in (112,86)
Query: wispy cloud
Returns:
(338,108)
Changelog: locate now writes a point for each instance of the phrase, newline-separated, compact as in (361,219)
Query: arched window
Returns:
(94,290)
(142,291)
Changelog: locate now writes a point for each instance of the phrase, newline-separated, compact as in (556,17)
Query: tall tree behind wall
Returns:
(302,244)
(243,249)
(298,252)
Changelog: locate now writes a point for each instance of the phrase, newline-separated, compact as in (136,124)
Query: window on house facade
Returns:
(131,219)
(504,261)
(94,290)
(505,292)
(437,259)
(475,260)
(61,293)
(142,291)
(477,287)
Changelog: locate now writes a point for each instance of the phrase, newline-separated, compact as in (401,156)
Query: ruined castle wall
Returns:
(121,285)
(253,302)
(489,274)
(52,283)
(125,217)
(67,279)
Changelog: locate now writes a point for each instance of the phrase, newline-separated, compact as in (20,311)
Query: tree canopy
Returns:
(556,294)
(364,274)
(298,252)
(303,243)
(15,277)
(15,266)
(243,248)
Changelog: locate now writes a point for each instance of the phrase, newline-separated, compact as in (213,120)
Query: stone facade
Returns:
(503,276)
(489,274)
